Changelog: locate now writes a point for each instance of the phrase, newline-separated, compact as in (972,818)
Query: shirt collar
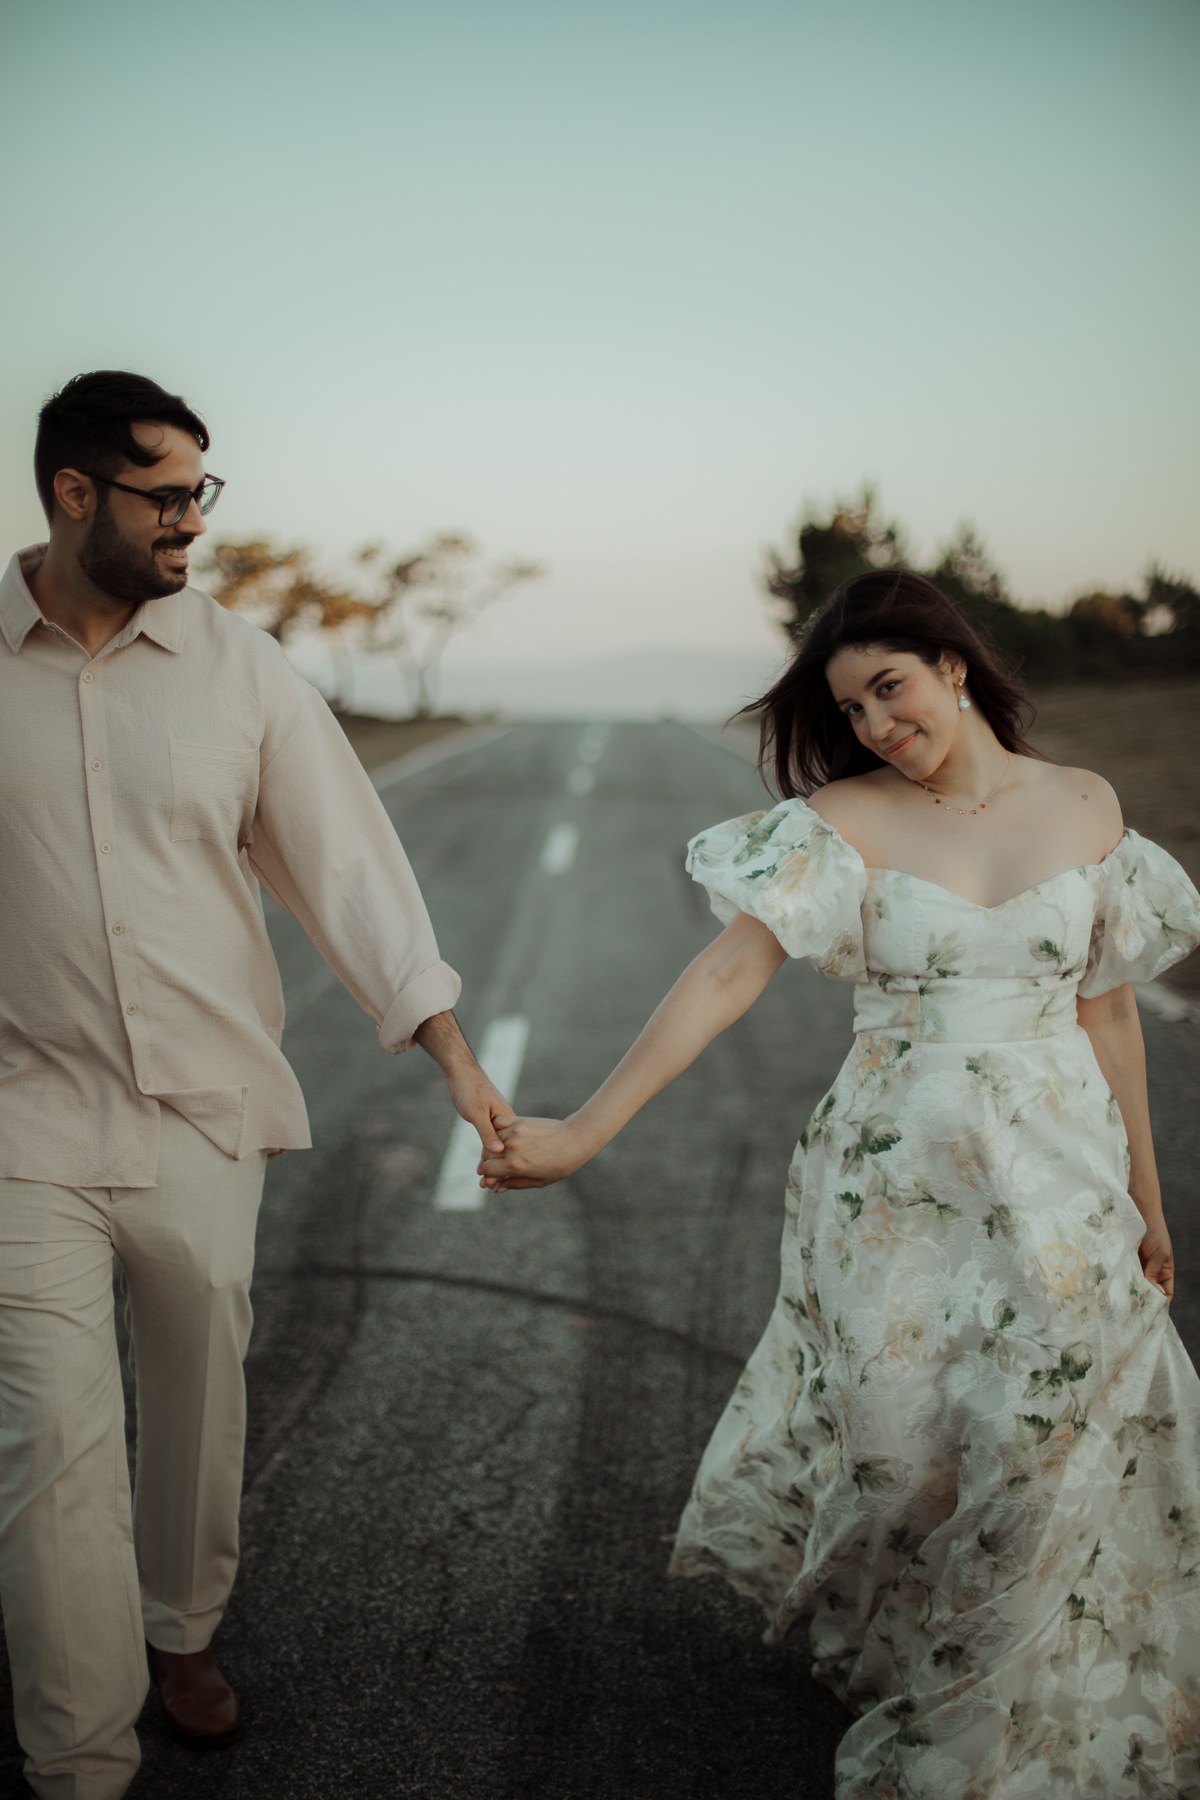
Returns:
(160,620)
(18,609)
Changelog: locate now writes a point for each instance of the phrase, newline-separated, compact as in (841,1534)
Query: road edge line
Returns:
(415,762)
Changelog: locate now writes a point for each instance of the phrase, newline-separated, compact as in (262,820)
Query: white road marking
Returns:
(591,744)
(1166,1004)
(501,1055)
(581,780)
(414,762)
(558,852)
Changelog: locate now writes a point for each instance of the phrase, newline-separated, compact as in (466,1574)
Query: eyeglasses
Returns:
(172,503)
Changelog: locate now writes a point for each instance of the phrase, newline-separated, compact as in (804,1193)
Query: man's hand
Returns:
(475,1098)
(480,1104)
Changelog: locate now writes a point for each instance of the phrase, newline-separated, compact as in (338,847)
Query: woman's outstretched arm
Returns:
(1111,1022)
(714,990)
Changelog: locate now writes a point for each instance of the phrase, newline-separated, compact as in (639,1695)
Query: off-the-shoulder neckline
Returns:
(952,893)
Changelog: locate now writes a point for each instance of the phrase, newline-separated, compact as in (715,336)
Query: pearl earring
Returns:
(964,705)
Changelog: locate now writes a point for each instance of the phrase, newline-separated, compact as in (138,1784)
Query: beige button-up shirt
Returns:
(144,794)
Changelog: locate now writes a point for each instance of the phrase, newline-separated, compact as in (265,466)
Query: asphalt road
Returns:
(472,1432)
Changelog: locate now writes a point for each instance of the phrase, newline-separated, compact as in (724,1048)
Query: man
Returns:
(158,759)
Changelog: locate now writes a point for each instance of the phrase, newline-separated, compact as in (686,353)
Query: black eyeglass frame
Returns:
(179,498)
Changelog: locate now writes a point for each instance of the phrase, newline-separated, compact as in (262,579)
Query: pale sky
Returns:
(618,285)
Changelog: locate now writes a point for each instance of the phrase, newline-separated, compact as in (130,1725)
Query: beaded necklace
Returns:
(962,811)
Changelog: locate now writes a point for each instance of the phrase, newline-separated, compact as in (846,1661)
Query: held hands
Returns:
(536,1152)
(517,1153)
(713,991)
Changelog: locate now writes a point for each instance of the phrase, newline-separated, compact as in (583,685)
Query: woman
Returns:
(965,1457)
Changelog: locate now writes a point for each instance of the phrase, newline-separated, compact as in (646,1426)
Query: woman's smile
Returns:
(897,749)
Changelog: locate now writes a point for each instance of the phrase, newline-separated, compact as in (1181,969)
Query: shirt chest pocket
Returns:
(214,791)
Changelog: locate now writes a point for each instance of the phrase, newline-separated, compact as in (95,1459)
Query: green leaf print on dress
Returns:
(943,956)
(964,1460)
(875,1138)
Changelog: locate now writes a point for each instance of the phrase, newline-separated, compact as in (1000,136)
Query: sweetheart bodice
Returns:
(940,969)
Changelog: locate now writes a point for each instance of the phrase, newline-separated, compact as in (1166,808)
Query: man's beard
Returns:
(125,572)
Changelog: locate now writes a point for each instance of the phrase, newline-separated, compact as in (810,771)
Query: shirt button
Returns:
(97,764)
(131,1008)
(117,930)
(146,1082)
(104,849)
(86,676)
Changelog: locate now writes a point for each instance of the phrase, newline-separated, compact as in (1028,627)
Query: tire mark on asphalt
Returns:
(589,1309)
(713,1282)
(301,1346)
(307,1330)
(592,1624)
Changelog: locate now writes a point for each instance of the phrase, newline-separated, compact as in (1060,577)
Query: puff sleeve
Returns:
(1147,917)
(793,872)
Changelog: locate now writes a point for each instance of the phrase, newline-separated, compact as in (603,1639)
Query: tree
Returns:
(1033,639)
(1157,630)
(828,552)
(1171,606)
(1102,634)
(412,609)
(1110,613)
(423,600)
(280,591)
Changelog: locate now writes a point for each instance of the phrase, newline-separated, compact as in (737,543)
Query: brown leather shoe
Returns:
(201,1708)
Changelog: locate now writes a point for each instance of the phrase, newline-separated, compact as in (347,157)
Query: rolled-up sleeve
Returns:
(324,847)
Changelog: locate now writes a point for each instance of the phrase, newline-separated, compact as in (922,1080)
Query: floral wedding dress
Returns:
(964,1459)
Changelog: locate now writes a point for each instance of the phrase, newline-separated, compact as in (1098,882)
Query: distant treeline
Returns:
(1106,635)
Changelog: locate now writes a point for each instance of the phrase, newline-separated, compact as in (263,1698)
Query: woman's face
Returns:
(899,707)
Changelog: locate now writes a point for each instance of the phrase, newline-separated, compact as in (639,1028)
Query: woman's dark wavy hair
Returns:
(805,741)
(88,425)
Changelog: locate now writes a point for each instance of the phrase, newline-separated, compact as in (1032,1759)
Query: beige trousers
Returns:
(84,1578)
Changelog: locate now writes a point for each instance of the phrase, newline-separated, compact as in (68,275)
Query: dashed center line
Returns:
(502,1052)
(582,778)
(591,744)
(501,1055)
(558,852)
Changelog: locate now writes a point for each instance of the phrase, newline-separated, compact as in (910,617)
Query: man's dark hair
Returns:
(88,425)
